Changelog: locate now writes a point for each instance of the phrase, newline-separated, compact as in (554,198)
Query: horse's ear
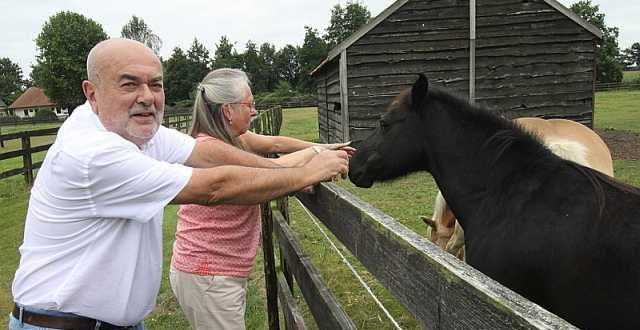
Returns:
(419,91)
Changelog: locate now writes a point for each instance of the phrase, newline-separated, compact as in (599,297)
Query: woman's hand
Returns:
(346,146)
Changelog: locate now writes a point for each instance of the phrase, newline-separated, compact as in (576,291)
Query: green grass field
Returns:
(618,109)
(404,199)
(631,76)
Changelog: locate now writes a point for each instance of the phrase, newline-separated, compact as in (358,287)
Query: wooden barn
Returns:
(518,57)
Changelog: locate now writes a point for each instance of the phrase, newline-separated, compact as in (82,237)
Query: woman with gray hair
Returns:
(215,246)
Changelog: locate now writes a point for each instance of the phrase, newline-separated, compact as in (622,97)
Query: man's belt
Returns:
(63,322)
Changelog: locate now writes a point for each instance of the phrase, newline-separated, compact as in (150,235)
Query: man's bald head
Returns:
(125,88)
(110,50)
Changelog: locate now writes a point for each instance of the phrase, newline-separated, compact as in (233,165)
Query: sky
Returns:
(279,22)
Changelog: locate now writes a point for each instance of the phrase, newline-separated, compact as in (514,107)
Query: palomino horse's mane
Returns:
(509,135)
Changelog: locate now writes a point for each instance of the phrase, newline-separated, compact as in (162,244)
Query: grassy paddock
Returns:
(618,109)
(631,76)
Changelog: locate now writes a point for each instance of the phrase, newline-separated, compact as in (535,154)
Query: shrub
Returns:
(45,115)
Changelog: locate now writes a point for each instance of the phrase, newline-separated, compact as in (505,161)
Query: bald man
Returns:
(92,251)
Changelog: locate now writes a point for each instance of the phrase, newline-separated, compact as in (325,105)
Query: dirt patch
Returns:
(623,144)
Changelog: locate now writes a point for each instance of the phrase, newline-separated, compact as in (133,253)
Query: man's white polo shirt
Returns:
(93,233)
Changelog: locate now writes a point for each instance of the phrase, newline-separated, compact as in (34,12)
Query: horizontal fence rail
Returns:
(600,87)
(439,290)
(12,121)
(25,152)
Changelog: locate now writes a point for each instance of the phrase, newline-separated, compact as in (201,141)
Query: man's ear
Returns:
(89,90)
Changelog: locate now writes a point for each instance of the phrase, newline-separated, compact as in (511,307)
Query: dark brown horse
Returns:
(563,235)
(565,138)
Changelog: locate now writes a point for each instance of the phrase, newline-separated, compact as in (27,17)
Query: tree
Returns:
(287,65)
(608,63)
(267,75)
(63,45)
(138,30)
(177,80)
(11,82)
(252,66)
(345,21)
(226,56)
(199,61)
(310,55)
(631,55)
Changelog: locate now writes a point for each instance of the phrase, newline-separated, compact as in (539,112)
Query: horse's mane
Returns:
(507,134)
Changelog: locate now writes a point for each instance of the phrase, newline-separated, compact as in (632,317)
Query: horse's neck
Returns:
(465,166)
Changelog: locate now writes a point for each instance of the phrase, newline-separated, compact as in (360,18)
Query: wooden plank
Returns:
(42,132)
(402,47)
(292,316)
(13,172)
(438,289)
(40,148)
(11,154)
(437,68)
(39,132)
(323,305)
(344,97)
(270,275)
(37,165)
(415,36)
(550,28)
(27,163)
(410,56)
(434,5)
(442,25)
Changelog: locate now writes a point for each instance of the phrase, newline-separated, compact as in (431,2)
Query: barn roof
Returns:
(333,53)
(33,97)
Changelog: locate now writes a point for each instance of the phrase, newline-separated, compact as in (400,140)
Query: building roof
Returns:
(333,53)
(2,104)
(33,97)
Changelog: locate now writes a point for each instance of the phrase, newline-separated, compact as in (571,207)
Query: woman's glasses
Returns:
(251,104)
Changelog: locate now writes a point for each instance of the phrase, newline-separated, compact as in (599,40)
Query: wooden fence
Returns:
(179,120)
(25,152)
(600,87)
(440,291)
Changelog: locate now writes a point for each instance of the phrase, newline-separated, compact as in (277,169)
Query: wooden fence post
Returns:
(270,275)
(26,159)
(283,207)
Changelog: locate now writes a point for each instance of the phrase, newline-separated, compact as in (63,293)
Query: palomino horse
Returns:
(563,235)
(565,138)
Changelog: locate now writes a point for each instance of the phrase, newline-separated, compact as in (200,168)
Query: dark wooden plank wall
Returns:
(531,60)
(428,37)
(329,104)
